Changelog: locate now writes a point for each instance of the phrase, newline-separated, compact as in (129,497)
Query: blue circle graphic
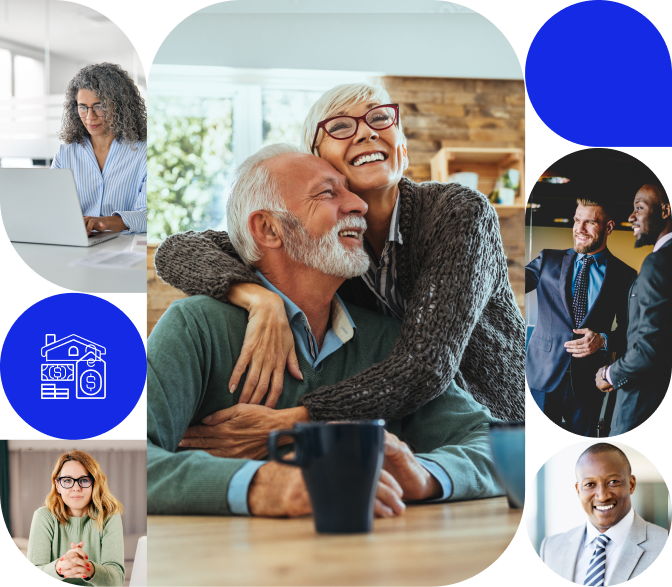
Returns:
(582,63)
(73,366)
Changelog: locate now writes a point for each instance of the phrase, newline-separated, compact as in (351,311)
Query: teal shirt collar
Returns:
(342,328)
(600,258)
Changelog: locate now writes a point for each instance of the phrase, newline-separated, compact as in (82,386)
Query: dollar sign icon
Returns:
(90,383)
(58,372)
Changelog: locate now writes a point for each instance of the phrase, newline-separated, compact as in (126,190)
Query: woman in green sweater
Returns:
(77,536)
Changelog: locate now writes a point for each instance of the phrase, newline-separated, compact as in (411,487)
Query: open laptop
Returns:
(42,206)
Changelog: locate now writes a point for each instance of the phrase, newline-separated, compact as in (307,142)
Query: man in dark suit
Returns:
(642,376)
(579,292)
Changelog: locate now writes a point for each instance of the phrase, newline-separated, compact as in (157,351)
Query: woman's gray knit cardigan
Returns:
(461,323)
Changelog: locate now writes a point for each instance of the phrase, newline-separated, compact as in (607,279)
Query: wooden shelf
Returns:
(488,163)
(504,211)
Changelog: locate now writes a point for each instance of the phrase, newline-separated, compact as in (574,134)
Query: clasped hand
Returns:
(241,432)
(75,563)
(590,343)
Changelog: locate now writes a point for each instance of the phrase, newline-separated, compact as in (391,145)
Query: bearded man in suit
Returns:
(579,293)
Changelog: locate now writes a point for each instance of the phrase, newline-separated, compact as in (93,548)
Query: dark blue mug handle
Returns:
(273,447)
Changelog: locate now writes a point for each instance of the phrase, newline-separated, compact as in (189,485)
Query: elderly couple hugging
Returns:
(424,330)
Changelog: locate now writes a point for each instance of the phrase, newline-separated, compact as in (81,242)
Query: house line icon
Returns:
(74,364)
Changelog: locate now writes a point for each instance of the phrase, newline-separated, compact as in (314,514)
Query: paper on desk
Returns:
(139,244)
(110,260)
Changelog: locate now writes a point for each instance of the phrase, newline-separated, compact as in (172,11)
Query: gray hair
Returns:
(124,108)
(254,189)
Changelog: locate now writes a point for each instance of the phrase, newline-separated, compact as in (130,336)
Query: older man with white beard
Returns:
(291,216)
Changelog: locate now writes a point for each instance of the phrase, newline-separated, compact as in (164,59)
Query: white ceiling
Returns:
(329,7)
(87,444)
(73,31)
(441,44)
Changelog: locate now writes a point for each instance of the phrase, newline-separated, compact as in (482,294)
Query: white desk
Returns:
(53,263)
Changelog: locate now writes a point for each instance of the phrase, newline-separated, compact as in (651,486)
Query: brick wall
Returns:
(437,113)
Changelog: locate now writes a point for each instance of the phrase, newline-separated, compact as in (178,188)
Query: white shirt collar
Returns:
(617,533)
(662,241)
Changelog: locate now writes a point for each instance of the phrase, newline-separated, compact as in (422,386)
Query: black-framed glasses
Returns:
(69,482)
(83,111)
(345,127)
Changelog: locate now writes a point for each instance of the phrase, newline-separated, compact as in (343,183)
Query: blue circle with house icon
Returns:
(73,366)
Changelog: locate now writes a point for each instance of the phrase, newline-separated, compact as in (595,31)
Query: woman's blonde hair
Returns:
(102,505)
(337,100)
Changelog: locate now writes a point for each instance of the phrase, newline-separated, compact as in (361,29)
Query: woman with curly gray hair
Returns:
(104,129)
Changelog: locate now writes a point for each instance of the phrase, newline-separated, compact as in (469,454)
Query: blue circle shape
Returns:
(73,366)
(599,74)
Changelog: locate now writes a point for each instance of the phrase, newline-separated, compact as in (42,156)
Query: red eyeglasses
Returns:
(345,127)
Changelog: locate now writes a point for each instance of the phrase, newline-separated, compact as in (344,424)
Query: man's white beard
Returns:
(326,253)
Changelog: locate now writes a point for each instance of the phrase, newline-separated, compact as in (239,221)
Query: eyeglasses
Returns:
(83,111)
(69,482)
(345,127)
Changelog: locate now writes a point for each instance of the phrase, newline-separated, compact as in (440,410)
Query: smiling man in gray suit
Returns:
(642,376)
(616,544)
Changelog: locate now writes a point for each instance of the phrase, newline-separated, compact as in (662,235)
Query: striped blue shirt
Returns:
(120,189)
(381,277)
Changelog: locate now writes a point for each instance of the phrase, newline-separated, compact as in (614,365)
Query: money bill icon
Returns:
(58,372)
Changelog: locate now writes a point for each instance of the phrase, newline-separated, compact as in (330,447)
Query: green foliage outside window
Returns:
(283,114)
(189,158)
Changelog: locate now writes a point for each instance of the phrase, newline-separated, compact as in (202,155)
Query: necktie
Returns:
(598,564)
(580,300)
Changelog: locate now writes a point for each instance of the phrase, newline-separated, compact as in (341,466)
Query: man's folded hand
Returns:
(589,343)
(241,432)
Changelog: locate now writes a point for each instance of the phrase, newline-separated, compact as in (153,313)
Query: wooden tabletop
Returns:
(435,544)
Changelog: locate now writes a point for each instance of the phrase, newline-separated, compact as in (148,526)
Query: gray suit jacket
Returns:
(642,376)
(643,545)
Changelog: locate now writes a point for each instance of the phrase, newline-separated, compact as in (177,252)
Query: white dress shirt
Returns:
(617,536)
(120,189)
(659,243)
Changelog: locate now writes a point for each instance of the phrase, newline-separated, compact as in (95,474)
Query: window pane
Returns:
(5,74)
(28,77)
(284,112)
(189,159)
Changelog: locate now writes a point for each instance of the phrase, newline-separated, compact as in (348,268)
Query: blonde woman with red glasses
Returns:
(77,534)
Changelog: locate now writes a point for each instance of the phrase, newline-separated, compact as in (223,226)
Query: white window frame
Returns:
(245,87)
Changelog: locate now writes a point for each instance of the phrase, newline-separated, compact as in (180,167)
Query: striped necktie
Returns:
(580,300)
(598,564)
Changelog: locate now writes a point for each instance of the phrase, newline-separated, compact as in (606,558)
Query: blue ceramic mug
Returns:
(341,464)
(507,442)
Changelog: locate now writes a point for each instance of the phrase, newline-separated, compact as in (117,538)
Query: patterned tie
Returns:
(598,564)
(580,301)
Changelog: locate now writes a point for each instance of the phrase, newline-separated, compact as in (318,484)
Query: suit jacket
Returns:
(547,359)
(642,546)
(642,375)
